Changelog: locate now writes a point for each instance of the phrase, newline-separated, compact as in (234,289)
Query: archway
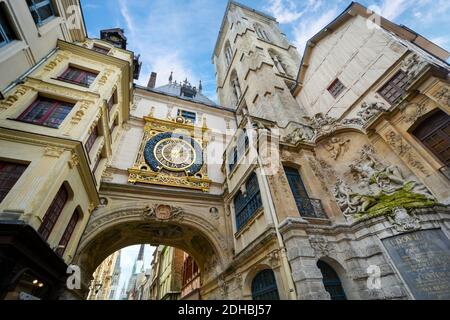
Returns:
(264,286)
(156,224)
(331,281)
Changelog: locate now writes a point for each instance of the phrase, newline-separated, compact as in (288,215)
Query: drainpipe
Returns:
(27,73)
(284,259)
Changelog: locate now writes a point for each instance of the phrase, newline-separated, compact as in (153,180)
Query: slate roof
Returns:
(174,90)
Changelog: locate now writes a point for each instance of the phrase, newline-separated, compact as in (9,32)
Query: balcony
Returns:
(310,208)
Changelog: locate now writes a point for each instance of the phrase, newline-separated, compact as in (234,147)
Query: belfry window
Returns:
(10,173)
(395,87)
(264,286)
(53,212)
(261,32)
(46,112)
(434,133)
(228,53)
(68,233)
(248,203)
(78,76)
(41,11)
(7,33)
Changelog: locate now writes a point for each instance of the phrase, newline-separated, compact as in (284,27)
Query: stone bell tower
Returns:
(256,66)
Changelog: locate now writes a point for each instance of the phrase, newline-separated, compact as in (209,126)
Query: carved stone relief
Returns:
(378,188)
(337,146)
(371,110)
(403,221)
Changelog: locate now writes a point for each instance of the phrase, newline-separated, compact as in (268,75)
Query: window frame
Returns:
(93,136)
(68,232)
(181,114)
(336,82)
(81,72)
(51,217)
(251,202)
(8,23)
(6,190)
(38,4)
(390,82)
(100,49)
(55,104)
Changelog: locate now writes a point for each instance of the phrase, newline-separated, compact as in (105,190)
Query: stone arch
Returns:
(111,229)
(342,273)
(247,288)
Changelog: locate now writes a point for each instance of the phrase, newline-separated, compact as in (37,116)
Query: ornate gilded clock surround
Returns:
(183,143)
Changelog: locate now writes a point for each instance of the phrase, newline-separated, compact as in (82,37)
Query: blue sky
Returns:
(179,35)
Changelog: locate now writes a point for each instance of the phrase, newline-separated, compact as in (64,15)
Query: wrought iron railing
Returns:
(310,208)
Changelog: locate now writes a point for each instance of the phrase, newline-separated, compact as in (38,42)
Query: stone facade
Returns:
(309,172)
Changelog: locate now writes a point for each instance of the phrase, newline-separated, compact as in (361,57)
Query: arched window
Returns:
(278,62)
(434,133)
(235,86)
(247,203)
(261,32)
(264,286)
(228,53)
(306,206)
(331,281)
(53,212)
(68,232)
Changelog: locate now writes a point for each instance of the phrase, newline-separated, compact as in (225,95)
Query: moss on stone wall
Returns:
(384,204)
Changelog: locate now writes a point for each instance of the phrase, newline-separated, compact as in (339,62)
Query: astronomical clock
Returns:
(171,154)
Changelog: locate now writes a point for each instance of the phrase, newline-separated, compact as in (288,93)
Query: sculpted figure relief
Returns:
(337,146)
(370,110)
(380,184)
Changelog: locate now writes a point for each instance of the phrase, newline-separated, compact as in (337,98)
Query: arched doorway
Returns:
(331,281)
(264,286)
(114,229)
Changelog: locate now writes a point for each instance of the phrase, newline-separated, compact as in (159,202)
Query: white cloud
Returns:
(285,11)
(163,65)
(306,29)
(391,9)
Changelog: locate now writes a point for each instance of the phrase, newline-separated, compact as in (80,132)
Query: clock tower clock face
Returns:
(173,152)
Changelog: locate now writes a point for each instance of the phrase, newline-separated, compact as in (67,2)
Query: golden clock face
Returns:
(174,154)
